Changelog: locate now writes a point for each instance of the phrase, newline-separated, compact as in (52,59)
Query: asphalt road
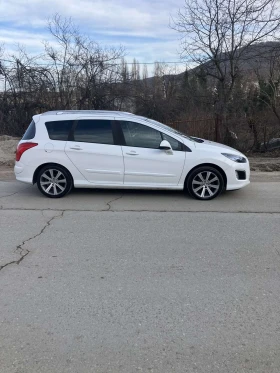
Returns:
(125,281)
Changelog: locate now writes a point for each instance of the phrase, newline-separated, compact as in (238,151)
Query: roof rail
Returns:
(86,112)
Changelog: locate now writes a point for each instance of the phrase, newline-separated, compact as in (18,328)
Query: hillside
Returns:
(258,56)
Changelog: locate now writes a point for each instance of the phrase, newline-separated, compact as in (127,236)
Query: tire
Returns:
(205,183)
(54,181)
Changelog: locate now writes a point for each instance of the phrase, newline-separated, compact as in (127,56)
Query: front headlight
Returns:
(235,158)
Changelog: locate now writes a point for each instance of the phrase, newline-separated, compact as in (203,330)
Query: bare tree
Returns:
(83,71)
(217,36)
(135,70)
(145,73)
(157,97)
(269,82)
(72,73)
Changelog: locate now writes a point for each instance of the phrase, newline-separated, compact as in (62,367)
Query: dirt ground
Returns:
(8,145)
(264,164)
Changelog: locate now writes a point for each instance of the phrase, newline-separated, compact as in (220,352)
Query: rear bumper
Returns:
(23,173)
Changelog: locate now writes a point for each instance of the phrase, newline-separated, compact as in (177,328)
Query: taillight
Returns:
(23,147)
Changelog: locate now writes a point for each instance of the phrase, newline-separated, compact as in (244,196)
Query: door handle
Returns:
(132,153)
(75,148)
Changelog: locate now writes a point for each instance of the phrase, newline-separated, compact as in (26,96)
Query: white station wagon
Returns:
(112,149)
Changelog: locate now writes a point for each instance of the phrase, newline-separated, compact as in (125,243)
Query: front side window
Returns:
(59,129)
(96,131)
(141,136)
(170,129)
(175,144)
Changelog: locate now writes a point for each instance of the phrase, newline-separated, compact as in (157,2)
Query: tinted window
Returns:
(94,131)
(140,136)
(175,145)
(30,132)
(164,126)
(59,129)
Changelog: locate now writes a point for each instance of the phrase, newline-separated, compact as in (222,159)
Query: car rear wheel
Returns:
(205,183)
(54,181)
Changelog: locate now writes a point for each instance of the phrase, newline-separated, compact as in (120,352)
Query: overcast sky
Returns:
(141,26)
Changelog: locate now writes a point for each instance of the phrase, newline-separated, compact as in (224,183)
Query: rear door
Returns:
(93,148)
(146,164)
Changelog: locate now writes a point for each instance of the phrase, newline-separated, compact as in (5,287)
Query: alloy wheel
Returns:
(53,182)
(205,184)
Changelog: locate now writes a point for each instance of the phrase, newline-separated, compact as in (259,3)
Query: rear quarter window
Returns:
(59,129)
(30,132)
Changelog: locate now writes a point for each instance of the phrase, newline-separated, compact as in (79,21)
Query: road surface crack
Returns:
(23,252)
(109,203)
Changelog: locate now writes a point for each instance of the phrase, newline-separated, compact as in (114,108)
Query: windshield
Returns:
(164,126)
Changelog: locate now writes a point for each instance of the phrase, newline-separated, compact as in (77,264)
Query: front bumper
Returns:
(233,181)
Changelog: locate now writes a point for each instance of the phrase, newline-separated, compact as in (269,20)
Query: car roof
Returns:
(98,113)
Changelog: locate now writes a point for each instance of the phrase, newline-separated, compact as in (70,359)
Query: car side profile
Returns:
(112,149)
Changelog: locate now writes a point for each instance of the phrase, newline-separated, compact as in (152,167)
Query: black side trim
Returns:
(118,133)
(186,148)
(71,132)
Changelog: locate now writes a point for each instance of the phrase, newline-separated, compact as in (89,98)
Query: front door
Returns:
(145,164)
(94,153)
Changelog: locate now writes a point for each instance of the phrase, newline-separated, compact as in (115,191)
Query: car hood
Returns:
(220,147)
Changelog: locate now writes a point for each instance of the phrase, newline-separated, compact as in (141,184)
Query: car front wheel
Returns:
(54,181)
(205,183)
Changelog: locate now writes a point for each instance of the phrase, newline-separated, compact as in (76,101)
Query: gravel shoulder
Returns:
(265,164)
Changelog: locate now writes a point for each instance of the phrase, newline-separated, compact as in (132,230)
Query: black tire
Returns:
(59,185)
(199,186)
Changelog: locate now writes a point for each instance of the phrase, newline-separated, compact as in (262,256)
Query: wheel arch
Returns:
(222,172)
(39,168)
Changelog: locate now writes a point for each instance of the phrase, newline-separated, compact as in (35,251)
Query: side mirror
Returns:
(165,145)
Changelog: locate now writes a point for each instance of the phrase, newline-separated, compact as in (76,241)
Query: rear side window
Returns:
(59,129)
(30,132)
(94,131)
